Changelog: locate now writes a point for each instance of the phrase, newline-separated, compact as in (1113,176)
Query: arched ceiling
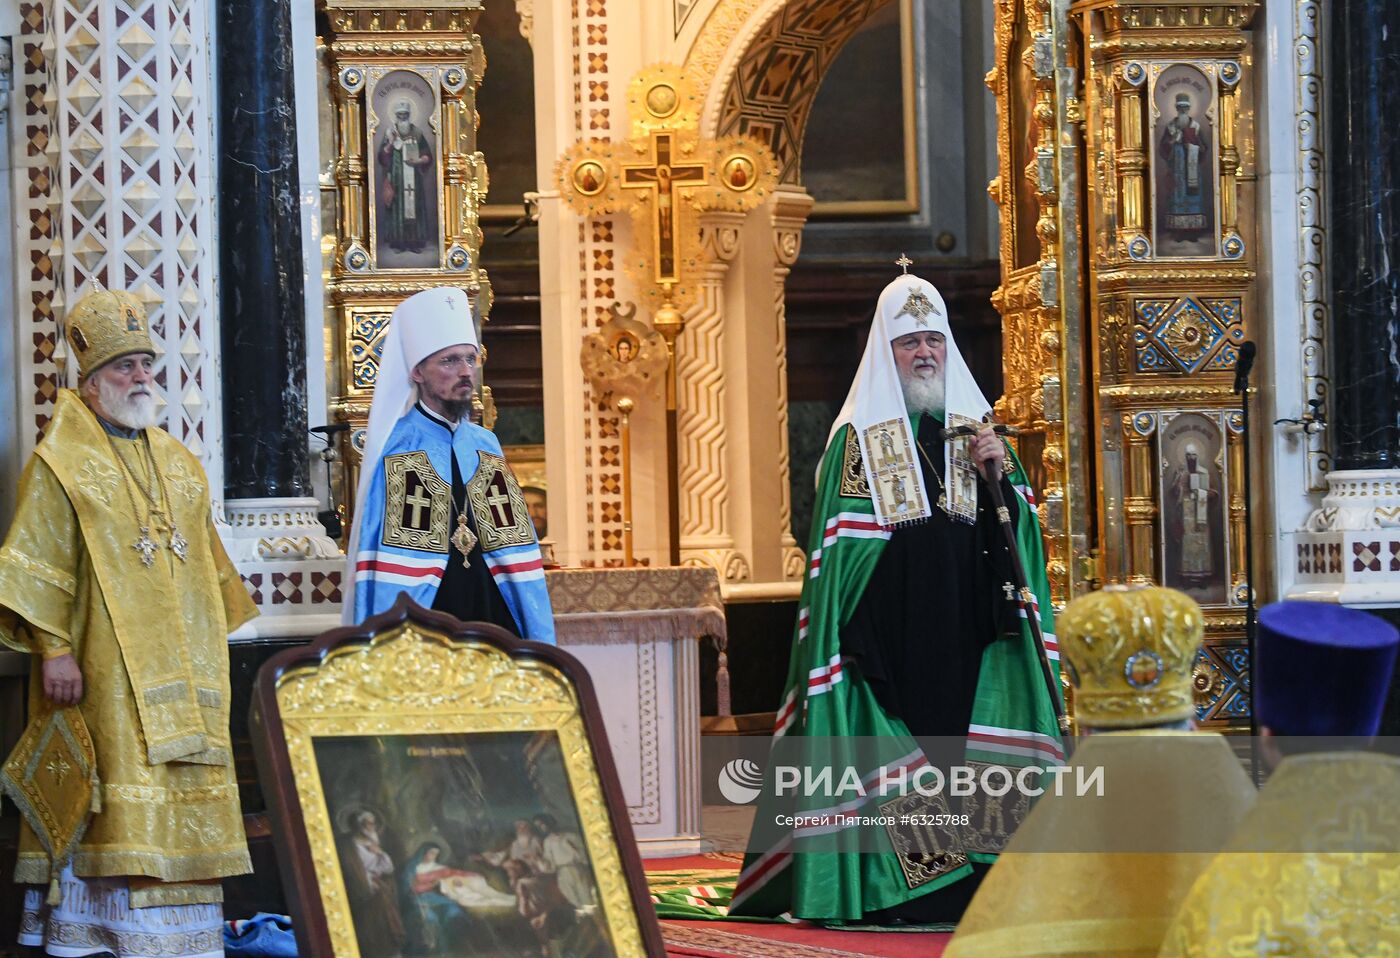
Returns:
(770,95)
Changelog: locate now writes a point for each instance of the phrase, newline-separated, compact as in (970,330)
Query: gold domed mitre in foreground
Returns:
(1130,651)
(106,325)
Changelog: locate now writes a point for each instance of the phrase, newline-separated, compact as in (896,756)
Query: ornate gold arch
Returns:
(769,60)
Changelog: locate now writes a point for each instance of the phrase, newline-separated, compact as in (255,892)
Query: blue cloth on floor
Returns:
(262,936)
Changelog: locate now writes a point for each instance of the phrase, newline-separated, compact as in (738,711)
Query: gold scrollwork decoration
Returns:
(412,681)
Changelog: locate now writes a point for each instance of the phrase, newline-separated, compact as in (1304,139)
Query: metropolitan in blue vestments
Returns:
(439,514)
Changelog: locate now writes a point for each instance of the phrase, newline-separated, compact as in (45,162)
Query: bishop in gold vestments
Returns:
(113,560)
(1313,871)
(1100,875)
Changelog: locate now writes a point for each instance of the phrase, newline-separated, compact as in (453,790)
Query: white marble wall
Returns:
(1283,498)
(309,94)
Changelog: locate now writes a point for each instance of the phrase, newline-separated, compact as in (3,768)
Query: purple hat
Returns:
(1323,669)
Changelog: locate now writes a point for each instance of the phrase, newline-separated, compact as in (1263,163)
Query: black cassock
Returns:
(936,599)
(469,592)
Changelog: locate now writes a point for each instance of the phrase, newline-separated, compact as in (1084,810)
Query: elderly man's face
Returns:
(120,392)
(446,379)
(920,355)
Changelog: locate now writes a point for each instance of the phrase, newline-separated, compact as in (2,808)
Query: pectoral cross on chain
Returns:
(1010,591)
(146,546)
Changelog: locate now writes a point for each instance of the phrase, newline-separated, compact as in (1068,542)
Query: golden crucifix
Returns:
(664,176)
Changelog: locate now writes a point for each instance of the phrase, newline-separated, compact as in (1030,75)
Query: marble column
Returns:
(261,294)
(1363,163)
(292,569)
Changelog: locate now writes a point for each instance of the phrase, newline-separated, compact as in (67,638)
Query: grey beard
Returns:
(135,412)
(404,127)
(924,395)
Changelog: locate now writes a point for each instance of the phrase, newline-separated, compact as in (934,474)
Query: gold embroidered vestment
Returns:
(151,642)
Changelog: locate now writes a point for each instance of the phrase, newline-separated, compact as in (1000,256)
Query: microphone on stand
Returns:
(330,516)
(1243,364)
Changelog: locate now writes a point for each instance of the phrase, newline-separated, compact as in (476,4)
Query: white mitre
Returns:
(875,408)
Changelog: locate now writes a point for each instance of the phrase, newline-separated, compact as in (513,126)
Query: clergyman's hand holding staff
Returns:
(1028,599)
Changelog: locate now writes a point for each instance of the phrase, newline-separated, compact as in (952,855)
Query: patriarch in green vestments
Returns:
(908,626)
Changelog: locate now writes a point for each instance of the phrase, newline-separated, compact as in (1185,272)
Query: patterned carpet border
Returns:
(743,946)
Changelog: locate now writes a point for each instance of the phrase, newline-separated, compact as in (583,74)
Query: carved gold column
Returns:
(425,55)
(1037,190)
(1132,162)
(1171,298)
(1235,425)
(1140,502)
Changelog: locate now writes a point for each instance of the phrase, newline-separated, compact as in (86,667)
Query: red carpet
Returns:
(726,939)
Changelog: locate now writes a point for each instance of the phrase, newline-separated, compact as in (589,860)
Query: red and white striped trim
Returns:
(853,525)
(1017,742)
(786,713)
(804,619)
(1052,644)
(845,525)
(774,861)
(826,820)
(822,678)
(528,567)
(819,680)
(1026,493)
(767,867)
(393,569)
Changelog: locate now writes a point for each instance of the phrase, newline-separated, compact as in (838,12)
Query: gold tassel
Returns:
(55,893)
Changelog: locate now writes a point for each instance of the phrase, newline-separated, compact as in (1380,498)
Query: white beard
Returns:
(129,412)
(924,394)
(403,127)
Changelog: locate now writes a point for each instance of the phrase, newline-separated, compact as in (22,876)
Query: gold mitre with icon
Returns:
(105,325)
(1129,651)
